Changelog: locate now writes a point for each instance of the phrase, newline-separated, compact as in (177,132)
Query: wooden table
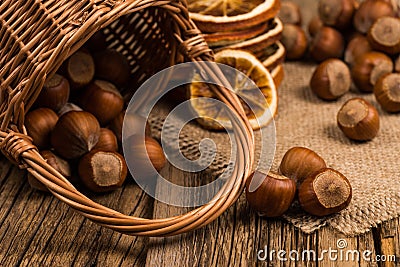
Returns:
(38,230)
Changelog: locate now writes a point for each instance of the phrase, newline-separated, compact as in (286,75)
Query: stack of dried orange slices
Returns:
(249,25)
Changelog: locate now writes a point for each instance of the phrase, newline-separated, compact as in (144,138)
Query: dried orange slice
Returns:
(229,15)
(229,38)
(278,74)
(272,56)
(262,41)
(259,110)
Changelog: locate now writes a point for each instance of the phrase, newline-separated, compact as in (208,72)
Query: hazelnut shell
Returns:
(358,120)
(107,141)
(39,124)
(325,192)
(54,94)
(387,92)
(102,171)
(103,100)
(75,134)
(299,162)
(367,69)
(270,195)
(331,79)
(327,43)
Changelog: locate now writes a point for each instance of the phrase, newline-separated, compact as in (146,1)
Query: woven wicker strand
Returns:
(37,36)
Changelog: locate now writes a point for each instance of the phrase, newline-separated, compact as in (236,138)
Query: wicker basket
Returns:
(38,35)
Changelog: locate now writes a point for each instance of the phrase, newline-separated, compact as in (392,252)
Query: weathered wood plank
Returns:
(38,230)
(387,238)
(335,249)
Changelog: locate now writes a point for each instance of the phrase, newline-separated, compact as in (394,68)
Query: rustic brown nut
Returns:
(97,42)
(39,123)
(331,79)
(384,35)
(290,13)
(54,94)
(35,184)
(102,171)
(67,108)
(327,43)
(357,46)
(299,162)
(314,26)
(75,134)
(397,64)
(325,192)
(112,66)
(367,69)
(368,12)
(59,164)
(358,120)
(107,141)
(146,155)
(270,194)
(103,100)
(387,92)
(80,69)
(336,13)
(294,40)
(135,122)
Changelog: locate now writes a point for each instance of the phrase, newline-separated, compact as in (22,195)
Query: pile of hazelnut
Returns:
(76,121)
(353,42)
(303,175)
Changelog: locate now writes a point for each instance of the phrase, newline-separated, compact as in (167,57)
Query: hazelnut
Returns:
(368,12)
(59,164)
(358,120)
(367,69)
(327,43)
(387,92)
(80,69)
(36,184)
(96,42)
(75,134)
(397,64)
(39,123)
(290,13)
(145,153)
(336,13)
(112,66)
(299,162)
(67,108)
(325,192)
(270,194)
(294,40)
(107,141)
(103,100)
(134,121)
(102,171)
(54,94)
(384,35)
(314,26)
(357,46)
(331,79)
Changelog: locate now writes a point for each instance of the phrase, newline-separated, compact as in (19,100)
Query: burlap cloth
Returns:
(304,120)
